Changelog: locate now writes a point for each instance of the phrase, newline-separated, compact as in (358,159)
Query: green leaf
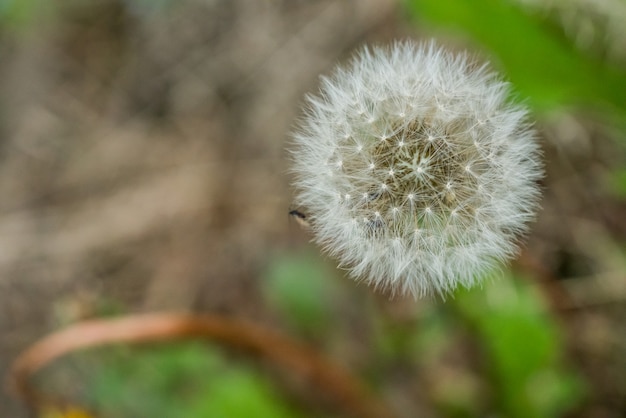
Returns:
(19,14)
(618,183)
(180,381)
(302,289)
(522,349)
(541,63)
(239,394)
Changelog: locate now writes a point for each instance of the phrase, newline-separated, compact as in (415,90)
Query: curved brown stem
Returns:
(347,390)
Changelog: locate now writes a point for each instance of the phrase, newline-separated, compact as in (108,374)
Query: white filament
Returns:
(414,170)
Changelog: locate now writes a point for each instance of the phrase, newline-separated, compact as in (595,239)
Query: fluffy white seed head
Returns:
(414,170)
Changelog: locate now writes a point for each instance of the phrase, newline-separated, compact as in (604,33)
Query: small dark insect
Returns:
(299,217)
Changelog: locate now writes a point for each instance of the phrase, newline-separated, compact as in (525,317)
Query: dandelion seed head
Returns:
(446,167)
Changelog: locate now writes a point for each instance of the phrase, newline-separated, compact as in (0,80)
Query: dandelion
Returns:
(414,170)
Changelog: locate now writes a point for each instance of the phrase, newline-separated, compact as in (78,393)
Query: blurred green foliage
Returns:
(16,10)
(179,380)
(521,352)
(618,183)
(542,64)
(514,360)
(20,14)
(522,348)
(300,287)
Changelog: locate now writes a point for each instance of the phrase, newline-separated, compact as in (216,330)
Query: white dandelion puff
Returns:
(443,169)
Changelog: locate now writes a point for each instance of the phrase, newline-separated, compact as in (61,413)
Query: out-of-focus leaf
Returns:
(238,393)
(301,287)
(542,64)
(522,349)
(181,381)
(21,13)
(618,183)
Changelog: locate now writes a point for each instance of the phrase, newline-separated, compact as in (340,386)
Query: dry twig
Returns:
(349,393)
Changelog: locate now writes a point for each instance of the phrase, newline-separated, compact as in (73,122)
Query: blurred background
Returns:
(143,168)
